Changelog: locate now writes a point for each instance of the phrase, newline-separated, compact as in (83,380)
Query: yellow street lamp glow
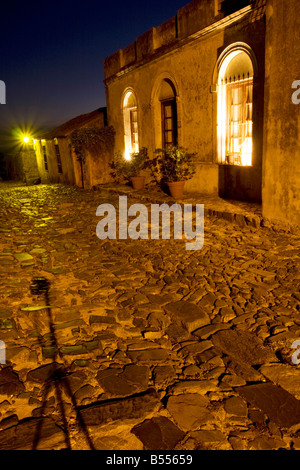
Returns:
(26,139)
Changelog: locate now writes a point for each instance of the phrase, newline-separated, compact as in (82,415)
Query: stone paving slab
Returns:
(23,436)
(158,433)
(275,402)
(243,347)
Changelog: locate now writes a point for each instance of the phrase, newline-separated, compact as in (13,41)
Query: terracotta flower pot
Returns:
(176,188)
(138,182)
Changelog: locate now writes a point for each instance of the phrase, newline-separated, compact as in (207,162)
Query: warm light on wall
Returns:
(246,152)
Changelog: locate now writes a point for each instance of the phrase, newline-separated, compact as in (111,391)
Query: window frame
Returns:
(244,125)
(130,125)
(134,129)
(222,75)
(45,157)
(174,131)
(58,158)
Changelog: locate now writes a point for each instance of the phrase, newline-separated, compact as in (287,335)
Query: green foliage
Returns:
(92,139)
(172,164)
(123,170)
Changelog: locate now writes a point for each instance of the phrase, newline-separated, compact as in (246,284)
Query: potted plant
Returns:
(129,170)
(172,167)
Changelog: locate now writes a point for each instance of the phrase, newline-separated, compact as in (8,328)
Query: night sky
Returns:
(52,55)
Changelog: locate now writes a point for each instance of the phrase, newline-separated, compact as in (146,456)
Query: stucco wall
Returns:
(30,168)
(96,169)
(205,180)
(281,169)
(22,166)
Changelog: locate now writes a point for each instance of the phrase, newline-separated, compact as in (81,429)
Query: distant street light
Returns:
(26,139)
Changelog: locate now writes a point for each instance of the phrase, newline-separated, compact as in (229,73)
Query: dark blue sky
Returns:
(52,53)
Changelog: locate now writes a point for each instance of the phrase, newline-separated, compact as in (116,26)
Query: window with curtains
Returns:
(130,118)
(134,130)
(235,109)
(239,121)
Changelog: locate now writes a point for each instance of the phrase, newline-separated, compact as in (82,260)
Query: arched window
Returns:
(235,106)
(130,124)
(167,98)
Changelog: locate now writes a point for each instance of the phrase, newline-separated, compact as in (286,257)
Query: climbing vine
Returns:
(93,140)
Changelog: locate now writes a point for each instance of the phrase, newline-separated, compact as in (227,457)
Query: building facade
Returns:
(200,81)
(57,160)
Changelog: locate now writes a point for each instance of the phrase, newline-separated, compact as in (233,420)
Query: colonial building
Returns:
(58,162)
(210,79)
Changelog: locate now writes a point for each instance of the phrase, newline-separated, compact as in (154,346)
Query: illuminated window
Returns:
(239,125)
(45,157)
(134,130)
(58,159)
(235,103)
(130,116)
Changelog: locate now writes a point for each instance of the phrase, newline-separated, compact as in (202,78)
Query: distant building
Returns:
(216,79)
(22,166)
(57,161)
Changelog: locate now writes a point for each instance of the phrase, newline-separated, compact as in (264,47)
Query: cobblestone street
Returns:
(145,345)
